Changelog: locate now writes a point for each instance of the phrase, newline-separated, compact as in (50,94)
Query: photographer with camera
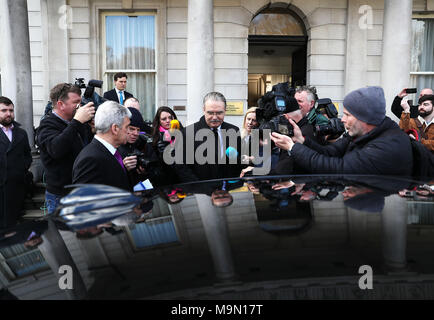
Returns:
(61,136)
(275,109)
(137,154)
(371,146)
(306,98)
(399,103)
(422,127)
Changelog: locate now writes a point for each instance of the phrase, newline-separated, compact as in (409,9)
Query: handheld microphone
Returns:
(174,125)
(167,136)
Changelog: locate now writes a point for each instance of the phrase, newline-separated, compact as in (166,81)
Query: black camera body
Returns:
(334,128)
(280,125)
(89,93)
(272,107)
(324,119)
(142,160)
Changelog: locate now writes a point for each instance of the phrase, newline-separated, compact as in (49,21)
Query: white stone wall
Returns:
(80,55)
(177,56)
(36,56)
(325,20)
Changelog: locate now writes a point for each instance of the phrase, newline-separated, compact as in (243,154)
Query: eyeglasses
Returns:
(218,113)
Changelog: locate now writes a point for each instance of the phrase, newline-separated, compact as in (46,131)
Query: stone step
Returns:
(33,214)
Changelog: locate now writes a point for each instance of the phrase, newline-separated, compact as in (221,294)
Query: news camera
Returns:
(89,93)
(271,109)
(324,119)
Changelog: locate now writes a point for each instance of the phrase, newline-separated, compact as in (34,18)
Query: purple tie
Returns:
(119,158)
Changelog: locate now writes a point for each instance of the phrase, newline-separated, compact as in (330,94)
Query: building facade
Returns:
(175,51)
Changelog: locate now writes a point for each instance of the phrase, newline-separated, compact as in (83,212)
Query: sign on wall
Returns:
(234,108)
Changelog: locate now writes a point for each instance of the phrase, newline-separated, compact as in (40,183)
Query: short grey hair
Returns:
(109,113)
(214,96)
(310,92)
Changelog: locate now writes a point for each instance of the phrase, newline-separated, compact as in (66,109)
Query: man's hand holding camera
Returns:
(85,113)
(130,163)
(285,142)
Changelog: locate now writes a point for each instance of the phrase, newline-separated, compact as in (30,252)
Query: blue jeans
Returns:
(51,201)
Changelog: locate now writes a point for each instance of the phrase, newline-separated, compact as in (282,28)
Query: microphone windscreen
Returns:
(174,124)
(231,153)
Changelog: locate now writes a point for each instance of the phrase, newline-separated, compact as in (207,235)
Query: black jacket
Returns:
(95,164)
(286,164)
(194,172)
(113,96)
(15,161)
(397,109)
(386,150)
(60,143)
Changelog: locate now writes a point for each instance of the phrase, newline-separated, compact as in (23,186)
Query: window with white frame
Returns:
(17,261)
(129,44)
(159,230)
(422,53)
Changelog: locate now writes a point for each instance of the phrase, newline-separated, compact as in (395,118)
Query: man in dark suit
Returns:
(217,164)
(119,94)
(15,160)
(100,162)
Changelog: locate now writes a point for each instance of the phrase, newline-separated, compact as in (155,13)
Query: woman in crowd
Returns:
(160,125)
(249,124)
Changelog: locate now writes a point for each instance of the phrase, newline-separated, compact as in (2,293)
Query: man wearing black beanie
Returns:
(373,144)
(134,143)
(423,125)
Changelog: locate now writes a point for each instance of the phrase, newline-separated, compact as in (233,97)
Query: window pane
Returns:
(27,264)
(275,24)
(154,233)
(130,42)
(421,81)
(142,87)
(422,49)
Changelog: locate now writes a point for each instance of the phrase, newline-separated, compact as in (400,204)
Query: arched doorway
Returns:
(277,51)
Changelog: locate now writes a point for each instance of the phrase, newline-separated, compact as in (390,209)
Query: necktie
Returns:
(121,97)
(119,158)
(216,140)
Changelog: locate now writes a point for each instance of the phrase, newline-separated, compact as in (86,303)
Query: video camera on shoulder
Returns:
(89,93)
(272,107)
(325,119)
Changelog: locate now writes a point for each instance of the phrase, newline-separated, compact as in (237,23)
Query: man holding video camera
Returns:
(371,146)
(61,136)
(399,103)
(422,127)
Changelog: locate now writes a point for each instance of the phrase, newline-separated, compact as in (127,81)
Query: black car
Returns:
(267,238)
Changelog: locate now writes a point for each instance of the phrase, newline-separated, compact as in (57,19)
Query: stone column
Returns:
(55,252)
(200,56)
(216,232)
(55,38)
(16,66)
(395,61)
(394,225)
(357,44)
